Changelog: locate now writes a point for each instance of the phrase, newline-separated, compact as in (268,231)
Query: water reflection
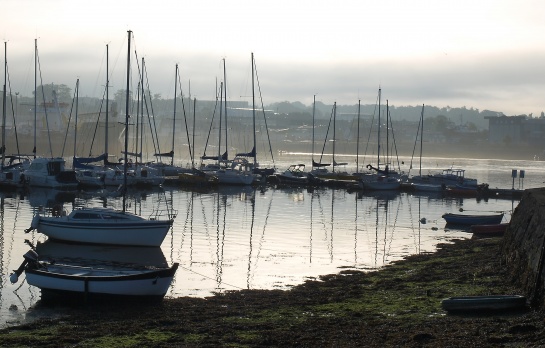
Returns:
(102,255)
(229,238)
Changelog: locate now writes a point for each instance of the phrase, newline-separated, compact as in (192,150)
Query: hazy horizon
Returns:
(484,55)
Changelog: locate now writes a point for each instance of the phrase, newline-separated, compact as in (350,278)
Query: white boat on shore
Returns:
(59,278)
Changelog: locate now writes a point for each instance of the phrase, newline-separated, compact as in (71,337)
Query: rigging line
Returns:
(326,134)
(143,75)
(99,73)
(69,120)
(370,130)
(13,113)
(154,128)
(211,122)
(395,144)
(414,147)
(263,109)
(210,278)
(45,104)
(184,113)
(97,123)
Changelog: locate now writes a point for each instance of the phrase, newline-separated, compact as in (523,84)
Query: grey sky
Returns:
(481,54)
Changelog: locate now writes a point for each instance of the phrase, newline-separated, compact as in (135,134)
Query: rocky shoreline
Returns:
(399,305)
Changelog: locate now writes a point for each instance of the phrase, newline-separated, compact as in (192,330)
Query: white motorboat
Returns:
(50,172)
(102,226)
(294,175)
(55,277)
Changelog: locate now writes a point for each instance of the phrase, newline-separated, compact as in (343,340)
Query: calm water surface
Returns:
(266,238)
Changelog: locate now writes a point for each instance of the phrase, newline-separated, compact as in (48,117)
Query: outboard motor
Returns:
(29,256)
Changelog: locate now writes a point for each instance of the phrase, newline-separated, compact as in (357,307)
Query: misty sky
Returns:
(486,54)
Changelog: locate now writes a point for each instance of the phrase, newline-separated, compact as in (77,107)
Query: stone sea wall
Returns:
(523,247)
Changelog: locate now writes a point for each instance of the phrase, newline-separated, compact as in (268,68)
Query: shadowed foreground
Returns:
(397,306)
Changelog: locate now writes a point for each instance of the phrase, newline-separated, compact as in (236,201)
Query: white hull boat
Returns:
(50,172)
(422,187)
(102,226)
(383,183)
(95,281)
(234,177)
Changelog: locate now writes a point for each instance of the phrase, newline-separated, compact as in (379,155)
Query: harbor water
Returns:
(266,237)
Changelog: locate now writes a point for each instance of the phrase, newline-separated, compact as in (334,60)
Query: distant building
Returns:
(506,129)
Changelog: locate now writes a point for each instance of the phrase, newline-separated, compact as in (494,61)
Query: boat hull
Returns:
(484,303)
(427,187)
(114,231)
(80,280)
(461,219)
(234,178)
(382,185)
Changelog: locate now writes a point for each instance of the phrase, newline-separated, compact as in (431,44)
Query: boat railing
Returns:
(163,214)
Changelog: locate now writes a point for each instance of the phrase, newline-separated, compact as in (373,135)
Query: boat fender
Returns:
(56,211)
(35,222)
(29,256)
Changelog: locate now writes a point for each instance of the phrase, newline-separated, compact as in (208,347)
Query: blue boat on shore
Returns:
(465,219)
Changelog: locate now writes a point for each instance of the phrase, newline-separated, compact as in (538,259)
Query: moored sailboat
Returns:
(104,225)
(384,179)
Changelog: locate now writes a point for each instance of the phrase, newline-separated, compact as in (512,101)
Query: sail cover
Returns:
(316,164)
(249,154)
(80,162)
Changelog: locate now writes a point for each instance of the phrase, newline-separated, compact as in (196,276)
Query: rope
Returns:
(202,275)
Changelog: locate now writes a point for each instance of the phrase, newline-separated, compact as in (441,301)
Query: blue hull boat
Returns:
(464,219)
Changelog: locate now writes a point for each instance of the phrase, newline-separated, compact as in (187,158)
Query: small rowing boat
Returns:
(68,279)
(465,219)
(484,303)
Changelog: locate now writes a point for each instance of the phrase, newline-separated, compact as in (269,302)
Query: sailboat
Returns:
(228,172)
(419,182)
(47,172)
(104,225)
(439,181)
(263,172)
(169,169)
(383,180)
(334,174)
(87,173)
(12,174)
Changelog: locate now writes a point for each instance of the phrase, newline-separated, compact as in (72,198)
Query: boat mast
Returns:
(125,164)
(253,111)
(107,107)
(219,131)
(193,152)
(76,124)
(35,92)
(140,125)
(4,104)
(334,118)
(225,95)
(387,138)
(421,141)
(313,111)
(174,117)
(358,139)
(378,137)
